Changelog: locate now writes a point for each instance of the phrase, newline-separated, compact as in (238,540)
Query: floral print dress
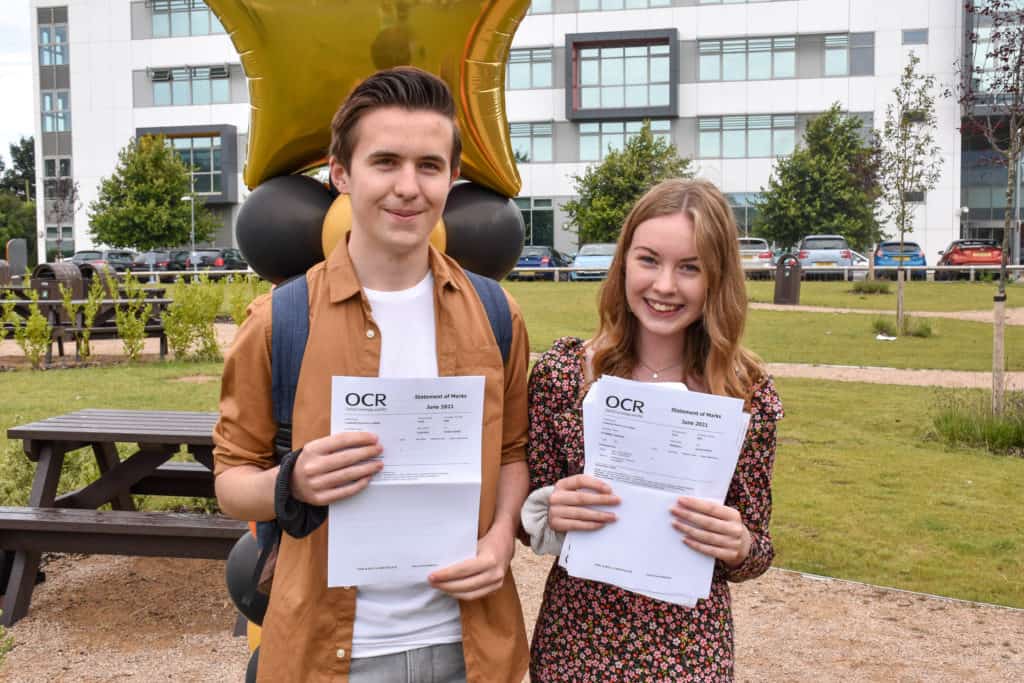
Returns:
(593,632)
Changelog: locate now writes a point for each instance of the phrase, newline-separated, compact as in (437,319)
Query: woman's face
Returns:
(665,281)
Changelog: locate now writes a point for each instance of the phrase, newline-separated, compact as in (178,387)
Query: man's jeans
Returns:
(434,664)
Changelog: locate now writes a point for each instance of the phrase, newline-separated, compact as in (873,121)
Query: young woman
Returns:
(672,310)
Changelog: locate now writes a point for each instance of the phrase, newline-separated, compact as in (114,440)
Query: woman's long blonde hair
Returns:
(712,348)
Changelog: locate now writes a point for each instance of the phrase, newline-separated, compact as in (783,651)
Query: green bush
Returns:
(6,642)
(96,294)
(870,287)
(131,317)
(916,328)
(189,320)
(884,326)
(32,333)
(961,420)
(241,293)
(7,315)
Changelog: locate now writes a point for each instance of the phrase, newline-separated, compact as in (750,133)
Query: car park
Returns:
(756,257)
(537,262)
(215,258)
(118,259)
(888,255)
(593,261)
(825,255)
(968,253)
(152,261)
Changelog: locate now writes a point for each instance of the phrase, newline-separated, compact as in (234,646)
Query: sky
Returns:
(16,112)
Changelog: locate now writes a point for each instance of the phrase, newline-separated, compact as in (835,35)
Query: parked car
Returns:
(215,258)
(967,253)
(825,255)
(596,258)
(118,259)
(756,257)
(539,260)
(153,261)
(889,254)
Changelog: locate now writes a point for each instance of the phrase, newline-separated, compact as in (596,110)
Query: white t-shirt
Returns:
(396,618)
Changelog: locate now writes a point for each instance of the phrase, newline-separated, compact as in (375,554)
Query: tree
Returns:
(829,183)
(64,204)
(20,178)
(991,90)
(607,191)
(140,205)
(17,219)
(909,159)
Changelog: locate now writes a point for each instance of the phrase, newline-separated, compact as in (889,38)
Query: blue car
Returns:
(595,259)
(537,262)
(888,254)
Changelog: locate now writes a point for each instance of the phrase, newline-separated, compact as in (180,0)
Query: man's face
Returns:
(399,177)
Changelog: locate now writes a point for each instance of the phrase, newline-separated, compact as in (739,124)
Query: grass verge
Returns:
(919,296)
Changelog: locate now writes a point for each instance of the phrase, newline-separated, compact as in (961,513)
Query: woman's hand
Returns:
(569,508)
(712,529)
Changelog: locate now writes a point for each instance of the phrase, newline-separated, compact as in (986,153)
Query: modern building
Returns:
(731,83)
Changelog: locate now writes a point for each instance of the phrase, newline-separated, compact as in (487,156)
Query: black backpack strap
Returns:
(289,332)
(498,314)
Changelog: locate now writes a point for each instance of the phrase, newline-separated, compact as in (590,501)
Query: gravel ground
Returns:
(100,619)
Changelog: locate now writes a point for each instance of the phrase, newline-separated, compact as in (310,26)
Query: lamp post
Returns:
(192,231)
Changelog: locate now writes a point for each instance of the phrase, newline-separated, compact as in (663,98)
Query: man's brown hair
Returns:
(406,87)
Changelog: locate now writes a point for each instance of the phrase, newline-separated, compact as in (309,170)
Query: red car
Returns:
(968,253)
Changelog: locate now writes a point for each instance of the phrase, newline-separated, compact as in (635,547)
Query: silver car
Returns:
(756,257)
(825,255)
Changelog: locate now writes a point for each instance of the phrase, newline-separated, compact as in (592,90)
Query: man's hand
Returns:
(482,575)
(335,467)
(570,505)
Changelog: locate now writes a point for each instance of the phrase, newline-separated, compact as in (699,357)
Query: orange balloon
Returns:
(338,221)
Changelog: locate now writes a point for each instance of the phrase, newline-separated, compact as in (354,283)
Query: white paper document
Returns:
(653,443)
(420,512)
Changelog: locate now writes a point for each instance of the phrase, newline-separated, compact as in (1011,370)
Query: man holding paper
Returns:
(385,304)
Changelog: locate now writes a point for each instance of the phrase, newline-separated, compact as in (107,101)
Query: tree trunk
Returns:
(901,330)
(998,353)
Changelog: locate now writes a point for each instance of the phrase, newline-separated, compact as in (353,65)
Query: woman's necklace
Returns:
(656,373)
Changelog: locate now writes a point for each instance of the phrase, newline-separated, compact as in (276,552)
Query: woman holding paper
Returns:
(671,310)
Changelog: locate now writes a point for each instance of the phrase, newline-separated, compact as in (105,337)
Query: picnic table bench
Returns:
(72,522)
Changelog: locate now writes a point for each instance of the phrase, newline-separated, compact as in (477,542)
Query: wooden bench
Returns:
(72,522)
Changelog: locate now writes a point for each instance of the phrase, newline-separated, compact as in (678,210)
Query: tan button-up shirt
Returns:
(307,632)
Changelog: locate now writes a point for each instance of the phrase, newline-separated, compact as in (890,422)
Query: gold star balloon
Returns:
(302,57)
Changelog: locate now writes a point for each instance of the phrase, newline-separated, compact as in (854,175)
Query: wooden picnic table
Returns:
(73,523)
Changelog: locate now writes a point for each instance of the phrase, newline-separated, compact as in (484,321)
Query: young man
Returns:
(385,304)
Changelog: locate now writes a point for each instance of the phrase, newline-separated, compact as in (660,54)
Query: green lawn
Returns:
(919,296)
(556,309)
(861,491)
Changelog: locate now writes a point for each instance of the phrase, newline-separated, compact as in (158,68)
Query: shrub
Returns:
(241,293)
(189,320)
(870,287)
(89,310)
(33,333)
(968,420)
(884,326)
(131,317)
(916,328)
(7,316)
(6,642)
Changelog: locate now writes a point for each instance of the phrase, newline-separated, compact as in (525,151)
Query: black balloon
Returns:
(241,579)
(280,225)
(484,230)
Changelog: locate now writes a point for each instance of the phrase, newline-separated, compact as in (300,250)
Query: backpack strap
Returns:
(289,332)
(498,314)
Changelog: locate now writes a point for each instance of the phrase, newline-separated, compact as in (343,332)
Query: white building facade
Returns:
(731,84)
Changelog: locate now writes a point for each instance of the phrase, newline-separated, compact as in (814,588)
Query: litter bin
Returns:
(48,277)
(787,280)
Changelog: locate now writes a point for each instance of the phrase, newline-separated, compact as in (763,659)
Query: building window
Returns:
(191,85)
(530,68)
(850,55)
(174,18)
(914,196)
(747,59)
(744,209)
(203,156)
(55,170)
(617,77)
(539,219)
(540,7)
(64,237)
(597,139)
(739,137)
(56,111)
(531,142)
(53,44)
(915,36)
(596,5)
